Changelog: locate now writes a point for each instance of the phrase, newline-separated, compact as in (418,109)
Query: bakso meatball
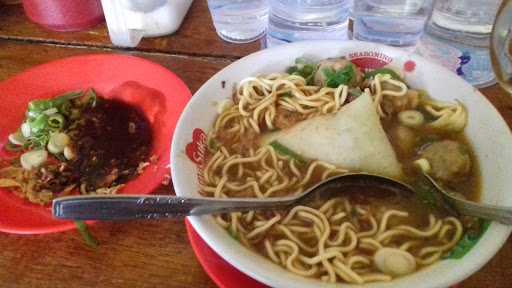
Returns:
(449,160)
(336,64)
(405,138)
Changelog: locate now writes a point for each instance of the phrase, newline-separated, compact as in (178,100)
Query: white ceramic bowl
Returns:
(488,133)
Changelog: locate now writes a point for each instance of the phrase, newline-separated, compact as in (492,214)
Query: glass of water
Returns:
(298,20)
(392,22)
(464,21)
(239,21)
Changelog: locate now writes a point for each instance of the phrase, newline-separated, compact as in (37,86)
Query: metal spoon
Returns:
(490,212)
(124,207)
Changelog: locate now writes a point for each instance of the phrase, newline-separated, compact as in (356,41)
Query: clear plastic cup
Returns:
(391,22)
(463,27)
(464,21)
(298,20)
(239,21)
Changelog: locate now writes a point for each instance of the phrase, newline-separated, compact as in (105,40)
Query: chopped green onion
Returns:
(17,138)
(303,69)
(33,159)
(57,102)
(39,123)
(86,235)
(12,147)
(58,141)
(335,78)
(212,145)
(355,92)
(285,151)
(39,106)
(25,130)
(50,111)
(65,108)
(91,97)
(56,121)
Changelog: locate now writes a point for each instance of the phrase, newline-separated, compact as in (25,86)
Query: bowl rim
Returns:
(236,257)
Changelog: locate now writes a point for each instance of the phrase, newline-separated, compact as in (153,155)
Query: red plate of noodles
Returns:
(155,91)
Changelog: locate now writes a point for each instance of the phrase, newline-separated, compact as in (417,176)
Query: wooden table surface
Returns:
(138,253)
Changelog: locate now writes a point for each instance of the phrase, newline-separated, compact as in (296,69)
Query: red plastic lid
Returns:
(154,89)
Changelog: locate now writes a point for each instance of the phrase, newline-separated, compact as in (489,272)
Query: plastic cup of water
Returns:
(391,22)
(239,21)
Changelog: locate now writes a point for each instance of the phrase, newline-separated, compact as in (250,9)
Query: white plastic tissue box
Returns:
(128,21)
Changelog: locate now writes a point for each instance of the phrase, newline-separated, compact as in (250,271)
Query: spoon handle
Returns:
(126,207)
(490,212)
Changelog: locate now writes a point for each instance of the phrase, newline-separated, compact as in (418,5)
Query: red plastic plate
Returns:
(154,89)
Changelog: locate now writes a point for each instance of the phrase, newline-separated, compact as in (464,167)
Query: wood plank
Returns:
(196,36)
(138,253)
(16,56)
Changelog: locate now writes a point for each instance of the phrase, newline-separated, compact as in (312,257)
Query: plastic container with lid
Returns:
(129,21)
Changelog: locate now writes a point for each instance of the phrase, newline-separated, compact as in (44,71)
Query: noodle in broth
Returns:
(337,240)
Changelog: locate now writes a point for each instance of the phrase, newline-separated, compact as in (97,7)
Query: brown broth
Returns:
(374,198)
(469,186)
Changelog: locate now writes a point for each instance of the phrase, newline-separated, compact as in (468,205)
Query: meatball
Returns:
(449,160)
(405,139)
(336,64)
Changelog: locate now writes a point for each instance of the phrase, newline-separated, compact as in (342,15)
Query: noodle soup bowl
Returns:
(486,130)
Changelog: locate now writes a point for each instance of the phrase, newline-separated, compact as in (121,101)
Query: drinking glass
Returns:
(391,22)
(239,21)
(501,46)
(465,21)
(298,20)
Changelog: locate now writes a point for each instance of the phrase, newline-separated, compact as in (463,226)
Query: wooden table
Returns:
(138,253)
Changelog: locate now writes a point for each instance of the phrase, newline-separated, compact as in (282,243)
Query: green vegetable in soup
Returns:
(432,198)
(340,77)
(304,69)
(388,71)
(355,92)
(285,151)
(213,146)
